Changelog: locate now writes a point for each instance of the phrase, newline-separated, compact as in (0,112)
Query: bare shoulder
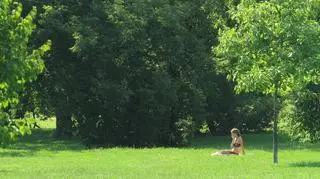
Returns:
(240,139)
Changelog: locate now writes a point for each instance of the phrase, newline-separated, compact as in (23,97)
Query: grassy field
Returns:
(40,156)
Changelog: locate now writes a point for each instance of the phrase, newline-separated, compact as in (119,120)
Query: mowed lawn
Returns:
(40,156)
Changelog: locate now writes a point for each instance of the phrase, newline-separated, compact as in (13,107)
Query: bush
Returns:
(185,129)
(12,129)
(299,117)
(253,112)
(248,112)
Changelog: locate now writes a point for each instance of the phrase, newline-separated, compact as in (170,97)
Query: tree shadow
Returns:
(17,153)
(311,164)
(42,139)
(5,171)
(257,141)
(262,141)
(39,140)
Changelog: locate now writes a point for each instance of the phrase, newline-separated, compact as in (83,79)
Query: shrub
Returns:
(299,117)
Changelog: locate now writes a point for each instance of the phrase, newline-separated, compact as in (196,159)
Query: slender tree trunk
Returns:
(63,123)
(275,126)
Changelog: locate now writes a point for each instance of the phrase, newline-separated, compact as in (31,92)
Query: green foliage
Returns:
(19,63)
(253,112)
(246,111)
(299,117)
(129,71)
(273,42)
(11,129)
(185,128)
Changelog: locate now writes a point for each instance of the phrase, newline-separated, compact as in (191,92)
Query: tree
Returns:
(273,48)
(299,116)
(148,63)
(19,64)
(64,83)
(134,73)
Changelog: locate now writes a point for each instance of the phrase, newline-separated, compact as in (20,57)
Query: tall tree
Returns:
(65,74)
(273,48)
(147,69)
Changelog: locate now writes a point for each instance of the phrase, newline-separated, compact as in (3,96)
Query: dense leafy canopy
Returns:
(272,42)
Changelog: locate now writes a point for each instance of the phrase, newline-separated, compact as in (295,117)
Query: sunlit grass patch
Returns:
(42,156)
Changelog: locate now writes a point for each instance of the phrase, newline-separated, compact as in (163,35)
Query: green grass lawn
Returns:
(40,156)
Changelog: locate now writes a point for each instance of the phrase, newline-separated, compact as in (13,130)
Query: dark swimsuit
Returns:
(235,145)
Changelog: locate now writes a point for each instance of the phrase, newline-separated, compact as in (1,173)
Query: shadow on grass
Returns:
(17,153)
(39,140)
(251,141)
(262,141)
(42,139)
(5,171)
(306,164)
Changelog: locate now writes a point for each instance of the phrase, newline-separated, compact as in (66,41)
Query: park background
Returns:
(149,88)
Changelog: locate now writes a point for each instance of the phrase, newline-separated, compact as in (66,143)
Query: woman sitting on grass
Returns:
(237,147)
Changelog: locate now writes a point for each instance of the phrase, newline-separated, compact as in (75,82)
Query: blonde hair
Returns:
(236,131)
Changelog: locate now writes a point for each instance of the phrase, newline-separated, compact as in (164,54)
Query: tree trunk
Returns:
(63,123)
(275,126)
